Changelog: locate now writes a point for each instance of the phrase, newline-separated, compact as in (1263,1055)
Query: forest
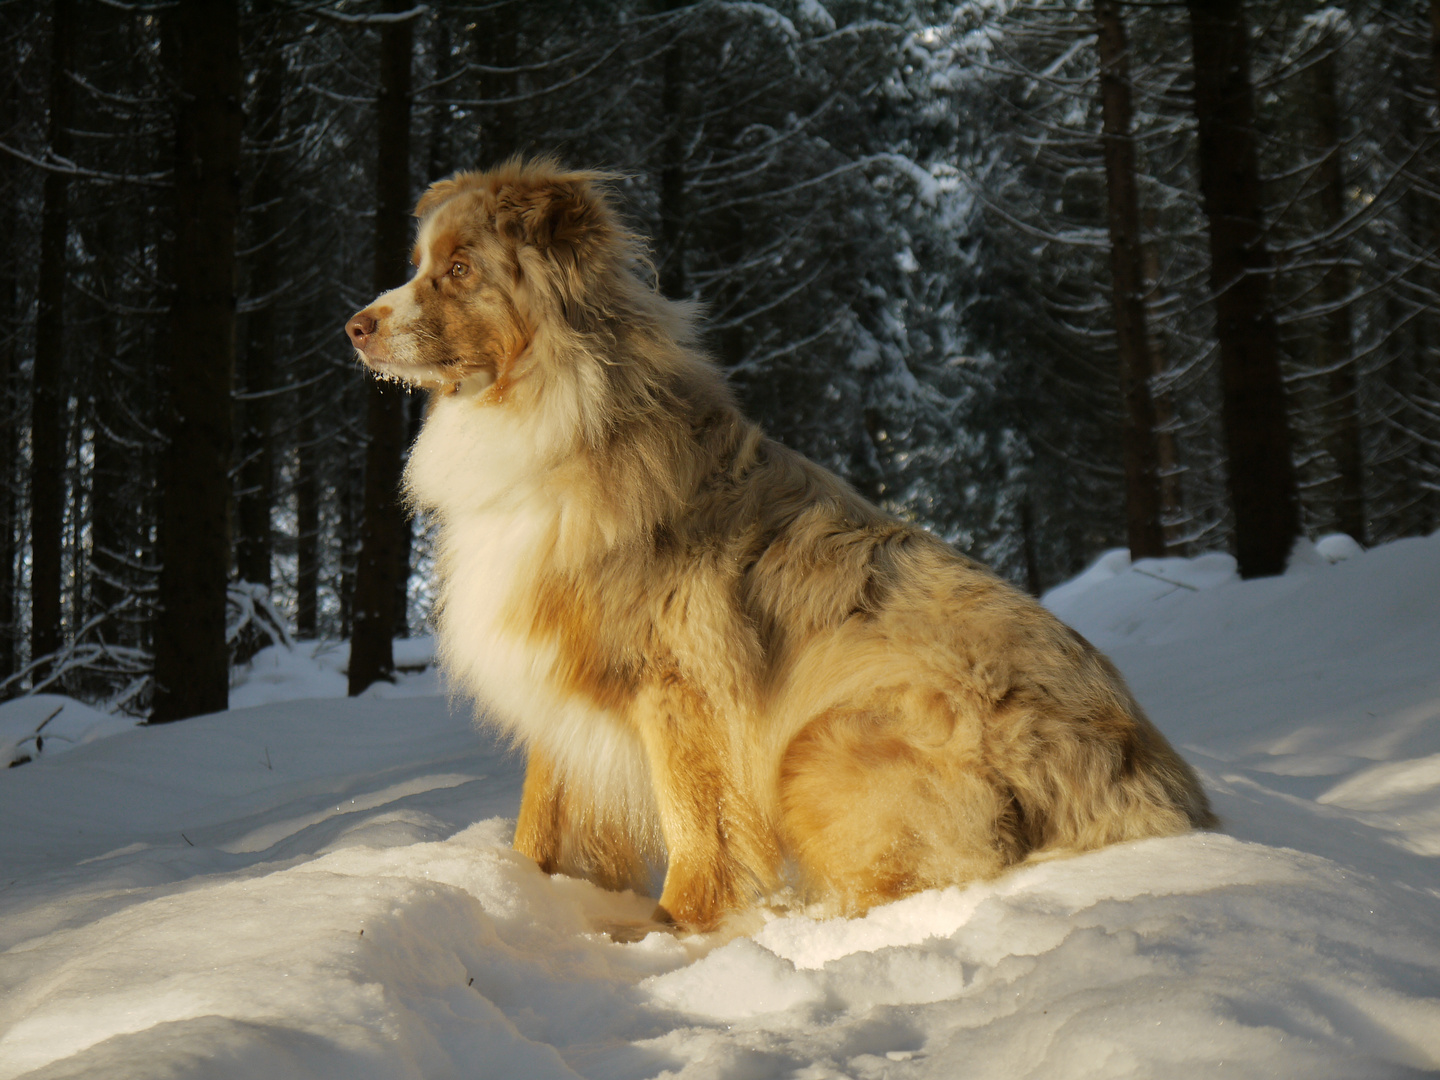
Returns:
(1048,276)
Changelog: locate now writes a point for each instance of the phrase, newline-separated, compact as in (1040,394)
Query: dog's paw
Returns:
(628,931)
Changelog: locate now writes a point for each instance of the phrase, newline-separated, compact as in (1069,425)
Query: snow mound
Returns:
(51,724)
(317,669)
(324,887)
(1074,968)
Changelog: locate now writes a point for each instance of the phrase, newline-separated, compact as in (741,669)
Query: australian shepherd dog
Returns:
(720,660)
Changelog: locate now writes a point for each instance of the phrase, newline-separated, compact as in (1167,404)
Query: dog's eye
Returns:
(459,270)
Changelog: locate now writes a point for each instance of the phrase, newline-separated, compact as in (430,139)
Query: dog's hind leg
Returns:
(872,813)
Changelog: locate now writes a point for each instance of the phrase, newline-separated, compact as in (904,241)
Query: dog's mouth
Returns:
(448,373)
(381,361)
(375,357)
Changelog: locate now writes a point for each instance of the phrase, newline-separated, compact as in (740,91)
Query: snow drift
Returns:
(309,886)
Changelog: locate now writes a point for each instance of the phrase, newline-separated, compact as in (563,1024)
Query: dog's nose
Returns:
(361,328)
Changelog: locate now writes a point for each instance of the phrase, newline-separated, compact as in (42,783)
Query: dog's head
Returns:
(501,258)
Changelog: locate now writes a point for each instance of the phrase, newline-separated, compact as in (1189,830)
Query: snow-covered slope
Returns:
(324,888)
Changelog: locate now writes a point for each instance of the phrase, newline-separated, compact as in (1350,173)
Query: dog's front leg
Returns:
(562,829)
(715,845)
(538,829)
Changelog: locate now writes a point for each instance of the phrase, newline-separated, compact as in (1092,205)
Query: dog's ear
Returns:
(563,218)
(442,190)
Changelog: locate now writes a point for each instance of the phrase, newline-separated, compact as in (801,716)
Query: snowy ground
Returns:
(309,886)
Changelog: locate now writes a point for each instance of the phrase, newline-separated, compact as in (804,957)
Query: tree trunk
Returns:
(730,341)
(1027,547)
(1167,456)
(497,37)
(1257,434)
(307,525)
(377,583)
(412,416)
(1400,454)
(112,491)
(256,497)
(351,499)
(1428,510)
(47,403)
(1435,45)
(1334,354)
(75,565)
(672,168)
(9,455)
(441,153)
(113,529)
(1144,529)
(10,253)
(191,657)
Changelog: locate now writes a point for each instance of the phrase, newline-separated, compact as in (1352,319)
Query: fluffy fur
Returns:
(718,657)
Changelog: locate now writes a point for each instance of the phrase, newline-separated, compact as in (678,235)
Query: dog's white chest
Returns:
(470,465)
(487,558)
(490,559)
(498,528)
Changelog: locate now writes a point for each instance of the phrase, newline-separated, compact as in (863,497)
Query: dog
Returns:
(718,657)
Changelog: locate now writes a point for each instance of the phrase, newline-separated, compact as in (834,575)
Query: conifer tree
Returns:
(1261,473)
(378,572)
(47,420)
(192,661)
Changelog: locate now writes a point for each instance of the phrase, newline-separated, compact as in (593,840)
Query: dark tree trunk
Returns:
(1334,354)
(1144,528)
(112,490)
(1400,456)
(497,38)
(191,657)
(730,341)
(307,525)
(47,401)
(1027,547)
(383,525)
(1257,434)
(75,566)
(256,497)
(10,251)
(412,416)
(1427,370)
(9,453)
(377,580)
(1167,457)
(672,168)
(1435,45)
(113,526)
(442,138)
(351,500)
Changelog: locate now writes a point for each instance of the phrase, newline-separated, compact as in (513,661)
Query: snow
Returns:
(814,12)
(316,669)
(315,886)
(51,724)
